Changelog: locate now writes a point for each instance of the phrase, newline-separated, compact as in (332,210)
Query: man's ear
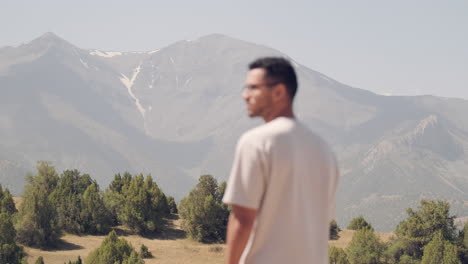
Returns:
(280,92)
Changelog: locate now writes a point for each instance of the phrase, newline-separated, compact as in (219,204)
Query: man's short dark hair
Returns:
(278,70)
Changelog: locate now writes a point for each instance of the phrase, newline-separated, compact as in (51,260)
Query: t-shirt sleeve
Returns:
(247,179)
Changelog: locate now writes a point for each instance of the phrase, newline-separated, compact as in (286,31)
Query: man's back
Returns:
(289,175)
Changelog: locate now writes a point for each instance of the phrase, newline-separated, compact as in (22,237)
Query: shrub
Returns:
(114,250)
(10,252)
(359,223)
(39,260)
(365,247)
(204,215)
(334,230)
(144,252)
(337,256)
(137,202)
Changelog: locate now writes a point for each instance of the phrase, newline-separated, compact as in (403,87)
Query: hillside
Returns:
(176,112)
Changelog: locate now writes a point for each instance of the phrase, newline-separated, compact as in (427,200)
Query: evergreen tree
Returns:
(67,199)
(406,259)
(172,205)
(95,217)
(37,217)
(359,223)
(465,236)
(144,252)
(113,198)
(440,251)
(78,261)
(394,253)
(421,225)
(114,250)
(365,248)
(39,260)
(117,184)
(204,215)
(220,191)
(463,244)
(10,252)
(134,258)
(334,230)
(140,204)
(337,256)
(7,205)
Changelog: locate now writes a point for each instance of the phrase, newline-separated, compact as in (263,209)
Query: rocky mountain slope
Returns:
(176,112)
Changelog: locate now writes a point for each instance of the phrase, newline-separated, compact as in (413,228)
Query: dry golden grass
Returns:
(165,251)
(347,235)
(18,201)
(175,250)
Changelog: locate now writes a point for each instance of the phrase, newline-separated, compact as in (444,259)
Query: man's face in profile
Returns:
(257,93)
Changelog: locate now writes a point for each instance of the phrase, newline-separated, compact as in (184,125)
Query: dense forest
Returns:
(73,202)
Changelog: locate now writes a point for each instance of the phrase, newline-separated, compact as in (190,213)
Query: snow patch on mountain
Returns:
(129,82)
(105,54)
(84,63)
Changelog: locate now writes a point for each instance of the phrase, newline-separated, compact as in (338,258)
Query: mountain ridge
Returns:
(177,113)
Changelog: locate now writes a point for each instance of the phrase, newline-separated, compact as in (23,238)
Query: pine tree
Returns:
(334,230)
(172,205)
(114,250)
(7,205)
(365,248)
(337,256)
(10,252)
(140,204)
(134,258)
(421,225)
(144,252)
(359,223)
(67,199)
(463,244)
(37,218)
(465,236)
(440,251)
(95,217)
(39,260)
(204,215)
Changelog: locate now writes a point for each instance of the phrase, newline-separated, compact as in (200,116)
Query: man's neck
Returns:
(285,112)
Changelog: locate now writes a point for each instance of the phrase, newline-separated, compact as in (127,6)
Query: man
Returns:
(283,180)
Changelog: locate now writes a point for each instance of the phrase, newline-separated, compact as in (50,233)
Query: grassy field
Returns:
(170,250)
(171,247)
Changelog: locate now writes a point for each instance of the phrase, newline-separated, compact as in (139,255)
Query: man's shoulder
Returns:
(270,132)
(262,132)
(254,136)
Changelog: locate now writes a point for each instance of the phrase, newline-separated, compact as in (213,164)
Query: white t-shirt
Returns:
(289,175)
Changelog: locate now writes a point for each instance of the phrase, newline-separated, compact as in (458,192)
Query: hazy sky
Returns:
(398,47)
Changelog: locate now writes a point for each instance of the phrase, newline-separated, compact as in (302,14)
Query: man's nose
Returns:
(245,94)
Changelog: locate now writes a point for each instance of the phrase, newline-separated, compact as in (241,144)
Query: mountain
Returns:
(177,113)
